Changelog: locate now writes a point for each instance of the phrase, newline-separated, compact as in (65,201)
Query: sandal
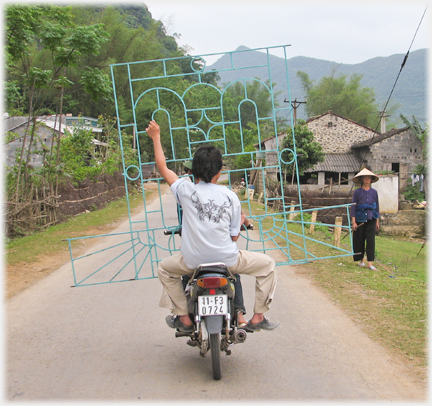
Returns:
(174,322)
(372,268)
(362,264)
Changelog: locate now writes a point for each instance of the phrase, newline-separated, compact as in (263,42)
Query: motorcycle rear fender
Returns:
(195,291)
(214,324)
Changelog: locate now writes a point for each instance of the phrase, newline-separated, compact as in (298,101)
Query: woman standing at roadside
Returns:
(365,217)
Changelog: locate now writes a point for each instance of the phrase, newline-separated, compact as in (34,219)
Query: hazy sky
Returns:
(339,31)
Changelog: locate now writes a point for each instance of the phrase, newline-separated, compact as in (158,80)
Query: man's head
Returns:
(207,163)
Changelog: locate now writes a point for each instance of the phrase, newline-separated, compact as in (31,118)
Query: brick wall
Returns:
(403,148)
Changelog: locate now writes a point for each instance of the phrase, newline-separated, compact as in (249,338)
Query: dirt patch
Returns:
(22,275)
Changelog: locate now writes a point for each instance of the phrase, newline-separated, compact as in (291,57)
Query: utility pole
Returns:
(383,116)
(295,104)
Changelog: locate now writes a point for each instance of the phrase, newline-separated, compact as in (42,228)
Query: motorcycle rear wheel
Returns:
(215,355)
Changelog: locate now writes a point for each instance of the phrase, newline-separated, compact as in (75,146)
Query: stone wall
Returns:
(88,195)
(336,134)
(409,223)
(272,158)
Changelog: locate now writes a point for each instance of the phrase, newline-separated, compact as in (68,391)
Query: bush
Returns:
(79,161)
(76,155)
(412,193)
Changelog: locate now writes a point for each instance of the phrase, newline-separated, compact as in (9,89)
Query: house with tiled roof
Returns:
(349,145)
(47,128)
(397,150)
(337,134)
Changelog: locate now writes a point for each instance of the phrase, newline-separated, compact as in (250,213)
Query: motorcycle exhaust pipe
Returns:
(183,334)
(239,336)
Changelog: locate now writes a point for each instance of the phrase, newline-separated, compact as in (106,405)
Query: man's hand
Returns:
(153,131)
(243,218)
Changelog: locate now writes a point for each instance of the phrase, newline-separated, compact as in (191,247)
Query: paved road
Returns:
(110,342)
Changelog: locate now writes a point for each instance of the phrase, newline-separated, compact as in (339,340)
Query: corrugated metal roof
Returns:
(337,163)
(55,125)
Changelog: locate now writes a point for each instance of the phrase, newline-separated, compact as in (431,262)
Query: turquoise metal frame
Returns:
(134,253)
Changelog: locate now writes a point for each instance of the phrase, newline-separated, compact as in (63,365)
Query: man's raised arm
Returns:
(153,132)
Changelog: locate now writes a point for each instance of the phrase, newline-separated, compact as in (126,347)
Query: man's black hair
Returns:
(207,163)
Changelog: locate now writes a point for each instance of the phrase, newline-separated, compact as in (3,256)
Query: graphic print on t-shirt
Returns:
(210,210)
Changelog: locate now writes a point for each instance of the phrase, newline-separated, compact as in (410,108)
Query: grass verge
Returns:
(389,304)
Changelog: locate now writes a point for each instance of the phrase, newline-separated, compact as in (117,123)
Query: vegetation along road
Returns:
(345,333)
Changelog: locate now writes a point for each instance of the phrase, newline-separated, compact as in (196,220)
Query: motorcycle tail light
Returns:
(212,282)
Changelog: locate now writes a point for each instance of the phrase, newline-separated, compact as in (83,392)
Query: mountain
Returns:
(409,94)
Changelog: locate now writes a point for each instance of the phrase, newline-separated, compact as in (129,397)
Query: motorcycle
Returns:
(210,295)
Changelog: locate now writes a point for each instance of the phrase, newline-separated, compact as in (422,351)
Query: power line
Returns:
(397,78)
(394,85)
(403,63)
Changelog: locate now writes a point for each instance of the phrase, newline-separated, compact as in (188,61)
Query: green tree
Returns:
(57,59)
(244,161)
(308,151)
(247,101)
(42,41)
(343,95)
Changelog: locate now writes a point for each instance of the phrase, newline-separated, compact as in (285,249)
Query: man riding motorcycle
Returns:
(211,220)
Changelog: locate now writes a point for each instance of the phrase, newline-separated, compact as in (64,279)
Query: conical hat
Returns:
(365,172)
(188,164)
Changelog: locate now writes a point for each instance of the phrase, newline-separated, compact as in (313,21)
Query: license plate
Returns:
(213,305)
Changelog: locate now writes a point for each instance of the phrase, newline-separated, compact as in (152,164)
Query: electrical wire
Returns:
(394,86)
(402,66)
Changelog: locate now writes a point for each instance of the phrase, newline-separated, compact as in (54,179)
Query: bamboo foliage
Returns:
(57,59)
(33,200)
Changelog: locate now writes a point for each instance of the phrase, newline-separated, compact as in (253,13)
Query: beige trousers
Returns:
(261,266)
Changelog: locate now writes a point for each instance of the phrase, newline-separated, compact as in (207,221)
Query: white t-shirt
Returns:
(211,215)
